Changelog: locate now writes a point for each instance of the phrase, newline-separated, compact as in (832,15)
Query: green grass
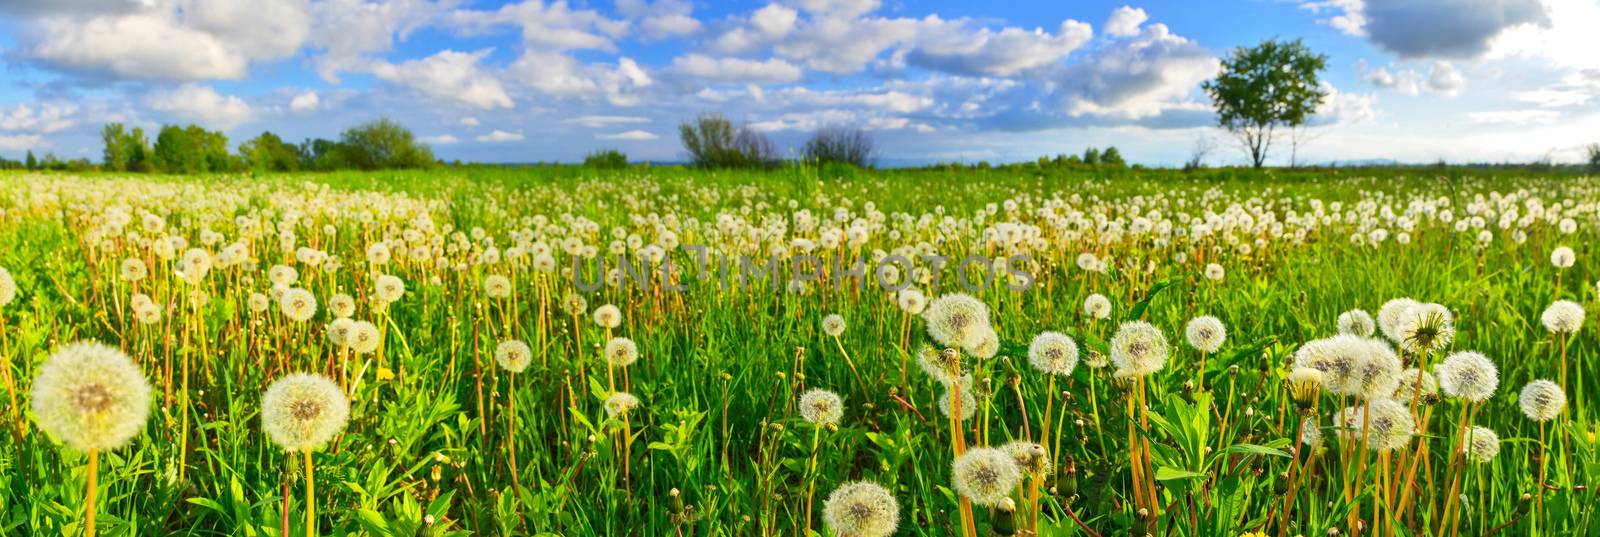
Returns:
(720,369)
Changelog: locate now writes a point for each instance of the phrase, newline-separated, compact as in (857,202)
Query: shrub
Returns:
(713,142)
(606,159)
(840,145)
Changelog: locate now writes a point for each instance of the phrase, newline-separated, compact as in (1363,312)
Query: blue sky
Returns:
(1410,80)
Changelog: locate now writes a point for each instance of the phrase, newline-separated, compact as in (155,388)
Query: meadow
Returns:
(441,353)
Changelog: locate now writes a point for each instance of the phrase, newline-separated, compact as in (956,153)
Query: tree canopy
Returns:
(1266,87)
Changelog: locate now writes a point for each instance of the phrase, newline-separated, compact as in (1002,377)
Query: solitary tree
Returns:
(1266,87)
(841,145)
(714,142)
(383,144)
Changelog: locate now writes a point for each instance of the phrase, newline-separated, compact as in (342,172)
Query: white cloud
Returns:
(553,26)
(838,8)
(1406,81)
(1344,108)
(633,135)
(1125,21)
(1137,78)
(350,30)
(1003,53)
(20,142)
(442,139)
(498,135)
(558,74)
(449,75)
(305,101)
(42,118)
(603,121)
(203,105)
(1509,117)
(702,67)
(1553,98)
(1444,79)
(469,121)
(1432,28)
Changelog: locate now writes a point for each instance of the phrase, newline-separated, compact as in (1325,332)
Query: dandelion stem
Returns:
(94,468)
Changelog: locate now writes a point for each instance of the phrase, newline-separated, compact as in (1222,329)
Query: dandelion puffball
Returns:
(985,475)
(389,288)
(608,316)
(1053,353)
(956,320)
(132,269)
(969,403)
(1356,322)
(1392,313)
(821,407)
(574,304)
(937,365)
(861,509)
(298,305)
(90,396)
(1481,444)
(497,286)
(1139,348)
(1542,400)
(1097,306)
(8,287)
(1563,317)
(986,345)
(1414,383)
(620,404)
(1468,375)
(621,352)
(1031,457)
(341,305)
(911,301)
(339,331)
(1562,257)
(1206,333)
(833,325)
(303,411)
(1426,328)
(513,355)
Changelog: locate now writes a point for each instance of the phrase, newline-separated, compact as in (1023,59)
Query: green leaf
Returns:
(1167,473)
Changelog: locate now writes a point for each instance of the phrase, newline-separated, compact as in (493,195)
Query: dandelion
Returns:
(1215,273)
(1468,375)
(1356,322)
(1031,457)
(341,305)
(1206,334)
(911,301)
(1563,317)
(147,313)
(1097,306)
(298,305)
(621,352)
(259,303)
(620,404)
(1336,357)
(1481,444)
(985,346)
(283,275)
(608,316)
(389,289)
(1542,400)
(1053,353)
(513,355)
(363,337)
(821,407)
(497,286)
(833,325)
(861,509)
(574,304)
(1426,328)
(1305,384)
(339,331)
(1377,374)
(1310,433)
(1415,383)
(1139,348)
(969,403)
(378,253)
(301,412)
(1391,314)
(132,270)
(92,398)
(1562,257)
(1389,425)
(985,475)
(956,320)
(937,365)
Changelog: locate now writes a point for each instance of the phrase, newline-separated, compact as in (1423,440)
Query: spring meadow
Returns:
(833,268)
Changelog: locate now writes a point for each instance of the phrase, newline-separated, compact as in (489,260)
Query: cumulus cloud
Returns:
(1138,77)
(1444,79)
(442,139)
(604,121)
(1450,29)
(469,121)
(20,142)
(349,31)
(451,76)
(1514,117)
(45,118)
(305,101)
(1125,21)
(552,26)
(498,135)
(633,135)
(561,75)
(1003,53)
(702,67)
(203,105)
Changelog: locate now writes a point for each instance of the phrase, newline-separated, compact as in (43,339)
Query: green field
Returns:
(442,440)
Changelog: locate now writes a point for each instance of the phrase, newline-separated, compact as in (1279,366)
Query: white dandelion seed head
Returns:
(911,301)
(90,396)
(574,304)
(363,337)
(147,313)
(1468,375)
(1377,372)
(1426,328)
(1310,433)
(985,475)
(339,331)
(986,345)
(8,287)
(342,305)
(389,288)
(1139,348)
(298,305)
(1097,306)
(1205,333)
(833,325)
(1563,317)
(1392,313)
(1215,273)
(1031,457)
(621,352)
(259,302)
(303,411)
(821,407)
(497,286)
(620,404)
(1563,257)
(1357,322)
(132,269)
(513,355)
(956,319)
(608,316)
(283,275)
(969,402)
(1053,353)
(195,265)
(1415,383)
(861,509)
(1542,400)
(1481,444)
(1389,425)
(378,253)
(1339,358)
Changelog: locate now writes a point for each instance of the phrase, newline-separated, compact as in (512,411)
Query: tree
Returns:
(31,162)
(1593,150)
(606,159)
(713,142)
(174,151)
(1266,87)
(1112,157)
(840,145)
(114,157)
(383,144)
(268,153)
(1091,156)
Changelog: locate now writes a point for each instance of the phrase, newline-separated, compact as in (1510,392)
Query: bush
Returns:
(606,159)
(840,145)
(713,142)
(1594,157)
(383,144)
